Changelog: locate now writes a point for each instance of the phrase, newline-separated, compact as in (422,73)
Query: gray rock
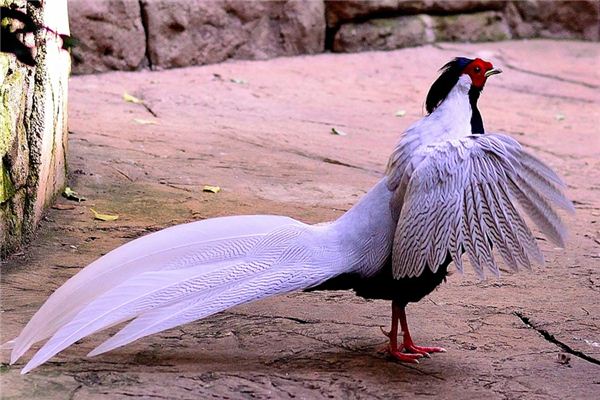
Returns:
(475,27)
(338,11)
(182,33)
(384,34)
(406,31)
(110,35)
(564,19)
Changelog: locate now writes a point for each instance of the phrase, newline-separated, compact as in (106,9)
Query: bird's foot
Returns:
(389,348)
(404,357)
(411,348)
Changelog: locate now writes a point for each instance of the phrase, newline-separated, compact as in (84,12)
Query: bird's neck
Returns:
(476,120)
(367,229)
(451,119)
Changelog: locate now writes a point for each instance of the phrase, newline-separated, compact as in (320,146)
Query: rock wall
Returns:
(33,128)
(134,34)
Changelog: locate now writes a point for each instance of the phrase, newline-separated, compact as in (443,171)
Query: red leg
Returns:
(408,343)
(393,335)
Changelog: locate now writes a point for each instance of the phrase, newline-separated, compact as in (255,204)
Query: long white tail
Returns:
(179,275)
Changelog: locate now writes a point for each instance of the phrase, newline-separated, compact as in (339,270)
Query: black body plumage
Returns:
(383,285)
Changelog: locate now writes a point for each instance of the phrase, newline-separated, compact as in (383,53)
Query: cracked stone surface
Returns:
(261,131)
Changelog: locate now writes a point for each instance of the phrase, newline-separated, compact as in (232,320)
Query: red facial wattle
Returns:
(477,70)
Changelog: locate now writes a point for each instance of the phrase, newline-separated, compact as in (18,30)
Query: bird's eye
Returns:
(477,70)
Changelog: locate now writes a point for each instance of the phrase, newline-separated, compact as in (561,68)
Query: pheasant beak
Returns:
(493,71)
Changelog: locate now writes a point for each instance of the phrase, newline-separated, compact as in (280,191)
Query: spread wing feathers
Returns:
(202,267)
(460,195)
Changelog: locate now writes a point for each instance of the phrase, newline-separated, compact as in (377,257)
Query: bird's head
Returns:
(477,70)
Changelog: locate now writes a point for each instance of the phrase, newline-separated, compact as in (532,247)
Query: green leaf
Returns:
(104,217)
(72,195)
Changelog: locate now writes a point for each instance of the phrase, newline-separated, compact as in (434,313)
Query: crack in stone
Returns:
(552,339)
(299,320)
(144,18)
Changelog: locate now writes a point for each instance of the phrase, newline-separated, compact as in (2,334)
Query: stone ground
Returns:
(261,131)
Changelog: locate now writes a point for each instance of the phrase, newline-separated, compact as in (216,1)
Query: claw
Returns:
(426,351)
(384,332)
(405,357)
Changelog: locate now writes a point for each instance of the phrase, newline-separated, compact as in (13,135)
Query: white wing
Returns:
(459,196)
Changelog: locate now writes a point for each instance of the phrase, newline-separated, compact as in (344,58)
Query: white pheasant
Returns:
(449,189)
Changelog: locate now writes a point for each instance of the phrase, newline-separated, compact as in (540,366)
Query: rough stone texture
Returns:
(384,34)
(560,19)
(266,142)
(134,34)
(338,11)
(407,31)
(485,26)
(182,33)
(357,25)
(110,35)
(33,129)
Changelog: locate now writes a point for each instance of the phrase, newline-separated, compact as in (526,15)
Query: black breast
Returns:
(383,285)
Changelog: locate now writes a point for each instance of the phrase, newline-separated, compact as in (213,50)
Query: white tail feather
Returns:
(190,271)
(286,257)
(268,284)
(172,248)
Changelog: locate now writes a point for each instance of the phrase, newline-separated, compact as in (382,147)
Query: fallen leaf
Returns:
(131,99)
(63,207)
(560,117)
(400,113)
(211,189)
(104,217)
(337,132)
(145,121)
(72,195)
(238,81)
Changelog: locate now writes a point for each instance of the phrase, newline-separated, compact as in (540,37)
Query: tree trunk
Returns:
(33,125)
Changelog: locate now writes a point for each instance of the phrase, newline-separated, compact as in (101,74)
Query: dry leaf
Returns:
(145,121)
(400,113)
(211,189)
(63,207)
(72,195)
(337,132)
(104,217)
(131,99)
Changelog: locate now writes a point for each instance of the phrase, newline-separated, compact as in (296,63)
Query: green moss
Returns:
(5,119)
(384,22)
(7,189)
(11,91)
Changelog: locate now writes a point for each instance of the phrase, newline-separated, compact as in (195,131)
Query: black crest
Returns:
(446,81)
